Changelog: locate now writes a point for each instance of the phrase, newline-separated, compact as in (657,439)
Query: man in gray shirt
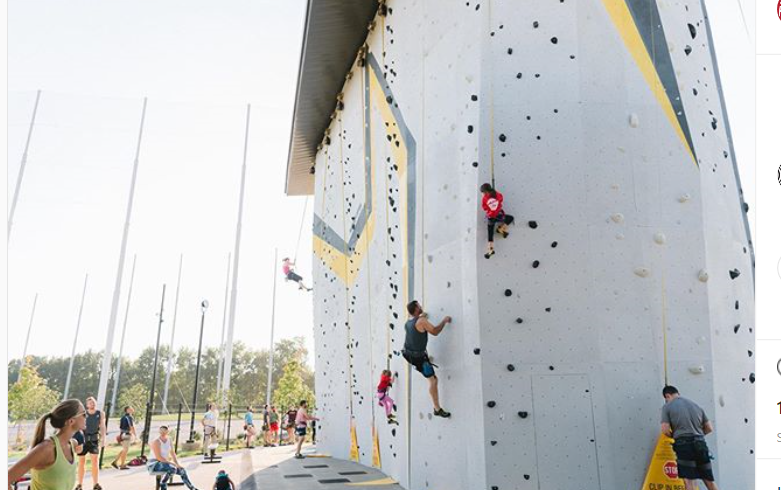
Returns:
(686,422)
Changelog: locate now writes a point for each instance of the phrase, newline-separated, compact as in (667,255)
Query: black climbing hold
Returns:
(389,99)
(736,328)
(714,123)
(474,164)
(554,244)
(510,367)
(551,368)
(535,24)
(502,138)
(737,304)
(750,354)
(491,404)
(327,140)
(523,415)
(532,224)
(508,292)
(548,309)
(470,128)
(519,75)
(519,320)
(751,377)
(745,207)
(474,98)
(536,264)
(494,487)
(687,50)
(692,31)
(493,443)
(509,50)
(734,273)
(554,40)
(527,477)
(476,351)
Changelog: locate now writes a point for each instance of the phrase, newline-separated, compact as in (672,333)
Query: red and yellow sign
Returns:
(662,472)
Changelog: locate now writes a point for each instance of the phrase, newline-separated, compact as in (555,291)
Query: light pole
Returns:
(151,403)
(204,307)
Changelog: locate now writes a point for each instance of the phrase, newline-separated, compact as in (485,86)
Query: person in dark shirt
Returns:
(417,329)
(686,422)
(94,440)
(127,432)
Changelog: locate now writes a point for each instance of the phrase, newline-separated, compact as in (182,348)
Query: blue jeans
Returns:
(169,471)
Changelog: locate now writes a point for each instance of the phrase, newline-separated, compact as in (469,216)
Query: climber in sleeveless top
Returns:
(290,274)
(164,461)
(94,440)
(494,214)
(417,329)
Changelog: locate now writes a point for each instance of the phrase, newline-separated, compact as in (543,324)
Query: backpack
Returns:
(223,482)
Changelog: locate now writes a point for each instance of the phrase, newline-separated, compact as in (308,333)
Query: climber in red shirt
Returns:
(494,214)
(386,381)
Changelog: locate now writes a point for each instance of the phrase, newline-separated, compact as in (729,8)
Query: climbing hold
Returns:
(536,264)
(737,304)
(535,24)
(554,244)
(493,443)
(508,292)
(527,477)
(519,75)
(389,99)
(692,31)
(703,276)
(474,164)
(550,368)
(697,369)
(736,328)
(684,198)
(509,50)
(745,207)
(642,272)
(659,238)
(532,224)
(634,121)
(751,377)
(502,138)
(476,351)
(617,217)
(687,50)
(491,404)
(734,273)
(470,129)
(519,320)
(548,309)
(474,98)
(510,367)
(554,40)
(523,415)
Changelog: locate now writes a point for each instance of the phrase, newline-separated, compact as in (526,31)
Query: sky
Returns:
(199,63)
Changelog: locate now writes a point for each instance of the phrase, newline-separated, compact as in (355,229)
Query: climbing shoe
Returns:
(442,413)
(97,487)
(489,254)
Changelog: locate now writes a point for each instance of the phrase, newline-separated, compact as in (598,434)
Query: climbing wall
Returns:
(602,123)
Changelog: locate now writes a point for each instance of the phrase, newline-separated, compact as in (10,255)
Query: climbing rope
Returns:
(301,229)
(491,95)
(664,327)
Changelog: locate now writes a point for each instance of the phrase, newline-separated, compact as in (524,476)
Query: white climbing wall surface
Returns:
(603,124)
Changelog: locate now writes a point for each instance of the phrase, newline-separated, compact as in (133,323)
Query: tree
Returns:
(31,397)
(291,388)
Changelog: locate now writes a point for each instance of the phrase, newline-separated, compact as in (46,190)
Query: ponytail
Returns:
(58,417)
(489,189)
(40,430)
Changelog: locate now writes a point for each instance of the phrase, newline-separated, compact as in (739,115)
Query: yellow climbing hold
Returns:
(663,470)
(376,449)
(354,455)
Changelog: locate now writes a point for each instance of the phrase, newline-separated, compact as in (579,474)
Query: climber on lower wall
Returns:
(386,381)
(494,214)
(290,275)
(417,329)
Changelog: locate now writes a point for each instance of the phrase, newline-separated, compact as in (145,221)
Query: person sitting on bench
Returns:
(164,462)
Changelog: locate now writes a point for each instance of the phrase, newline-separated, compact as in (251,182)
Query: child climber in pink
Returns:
(386,381)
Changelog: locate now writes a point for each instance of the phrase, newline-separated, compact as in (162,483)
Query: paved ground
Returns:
(260,469)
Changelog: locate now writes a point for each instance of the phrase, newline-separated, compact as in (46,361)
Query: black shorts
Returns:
(421,362)
(694,460)
(90,447)
(301,431)
(292,276)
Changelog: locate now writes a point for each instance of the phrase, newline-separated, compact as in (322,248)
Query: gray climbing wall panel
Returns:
(602,123)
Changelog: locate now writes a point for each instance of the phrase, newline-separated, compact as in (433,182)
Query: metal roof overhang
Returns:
(333,32)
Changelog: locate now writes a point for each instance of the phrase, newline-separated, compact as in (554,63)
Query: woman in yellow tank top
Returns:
(52,461)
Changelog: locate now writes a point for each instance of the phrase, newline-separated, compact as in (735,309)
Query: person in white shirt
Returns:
(209,423)
(164,461)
